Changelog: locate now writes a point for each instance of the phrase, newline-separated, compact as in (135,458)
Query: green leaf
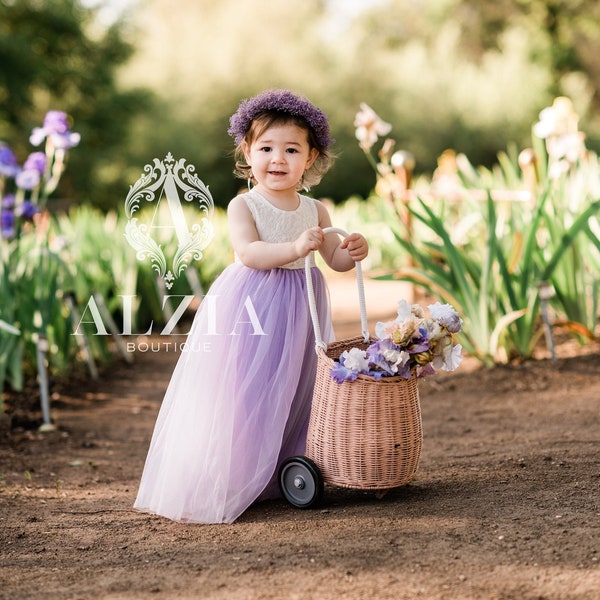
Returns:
(9,328)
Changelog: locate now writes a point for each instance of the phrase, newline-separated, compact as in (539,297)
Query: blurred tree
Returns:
(440,90)
(467,74)
(203,57)
(473,74)
(56,55)
(568,33)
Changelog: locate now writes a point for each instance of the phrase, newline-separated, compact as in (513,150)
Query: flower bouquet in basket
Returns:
(412,344)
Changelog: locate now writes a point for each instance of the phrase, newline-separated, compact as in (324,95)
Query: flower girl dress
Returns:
(239,399)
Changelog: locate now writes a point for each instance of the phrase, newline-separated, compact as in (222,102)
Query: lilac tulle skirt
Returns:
(238,402)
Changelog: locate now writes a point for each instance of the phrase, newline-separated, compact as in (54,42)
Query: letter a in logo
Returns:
(163,181)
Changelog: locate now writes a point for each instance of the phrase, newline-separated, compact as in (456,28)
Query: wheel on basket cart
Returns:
(301,482)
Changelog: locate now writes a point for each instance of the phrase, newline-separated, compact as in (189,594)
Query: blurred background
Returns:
(484,194)
(141,78)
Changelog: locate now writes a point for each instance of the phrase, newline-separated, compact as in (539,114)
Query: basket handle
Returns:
(319,343)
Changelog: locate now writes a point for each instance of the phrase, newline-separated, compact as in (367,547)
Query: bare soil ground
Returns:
(505,505)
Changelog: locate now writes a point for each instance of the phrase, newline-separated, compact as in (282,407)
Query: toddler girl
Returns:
(239,399)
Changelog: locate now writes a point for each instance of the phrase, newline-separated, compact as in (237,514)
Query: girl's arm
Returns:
(257,254)
(340,256)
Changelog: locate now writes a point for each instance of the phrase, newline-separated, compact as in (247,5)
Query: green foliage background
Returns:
(144,78)
(463,74)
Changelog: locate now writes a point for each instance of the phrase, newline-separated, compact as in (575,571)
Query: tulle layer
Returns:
(239,399)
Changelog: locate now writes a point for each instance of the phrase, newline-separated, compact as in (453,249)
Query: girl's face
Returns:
(279,157)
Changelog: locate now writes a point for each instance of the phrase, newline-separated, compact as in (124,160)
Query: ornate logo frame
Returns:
(168,177)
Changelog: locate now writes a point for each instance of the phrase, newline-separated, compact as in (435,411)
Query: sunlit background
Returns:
(141,78)
(481,191)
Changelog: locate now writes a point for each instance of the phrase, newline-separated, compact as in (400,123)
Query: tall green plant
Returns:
(30,270)
(576,276)
(11,343)
(490,266)
(494,288)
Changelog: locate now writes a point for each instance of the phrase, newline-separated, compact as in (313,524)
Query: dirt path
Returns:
(506,503)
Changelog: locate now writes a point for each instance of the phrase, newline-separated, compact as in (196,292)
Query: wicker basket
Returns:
(364,434)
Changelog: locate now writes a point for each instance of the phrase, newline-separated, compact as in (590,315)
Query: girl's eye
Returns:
(292,150)
(265,149)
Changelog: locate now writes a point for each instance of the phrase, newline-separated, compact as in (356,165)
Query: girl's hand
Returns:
(356,245)
(308,241)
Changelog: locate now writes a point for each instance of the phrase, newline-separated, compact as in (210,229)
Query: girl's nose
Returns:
(278,156)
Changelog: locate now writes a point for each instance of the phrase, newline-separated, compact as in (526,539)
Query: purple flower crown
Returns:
(282,101)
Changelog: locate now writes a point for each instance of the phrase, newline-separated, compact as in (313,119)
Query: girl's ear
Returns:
(246,150)
(312,157)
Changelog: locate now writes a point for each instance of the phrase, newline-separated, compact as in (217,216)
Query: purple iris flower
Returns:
(8,161)
(341,374)
(56,127)
(36,161)
(28,179)
(65,140)
(376,357)
(7,224)
(404,371)
(446,316)
(56,121)
(426,370)
(8,202)
(378,360)
(377,375)
(27,210)
(419,343)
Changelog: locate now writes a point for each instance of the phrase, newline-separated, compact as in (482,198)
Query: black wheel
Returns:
(300,482)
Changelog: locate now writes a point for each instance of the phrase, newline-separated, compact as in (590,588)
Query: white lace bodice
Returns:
(275,225)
